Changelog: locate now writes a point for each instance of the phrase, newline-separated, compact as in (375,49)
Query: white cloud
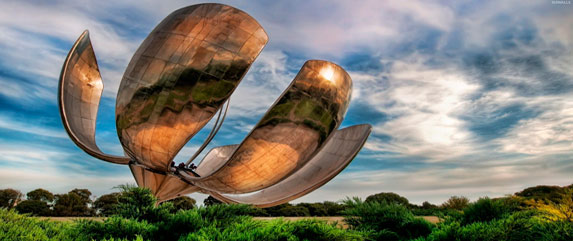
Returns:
(548,134)
(425,102)
(34,128)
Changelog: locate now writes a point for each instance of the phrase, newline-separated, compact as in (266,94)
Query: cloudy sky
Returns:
(465,98)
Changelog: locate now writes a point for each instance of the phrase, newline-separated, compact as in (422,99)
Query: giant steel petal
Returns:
(329,162)
(293,130)
(182,73)
(79,94)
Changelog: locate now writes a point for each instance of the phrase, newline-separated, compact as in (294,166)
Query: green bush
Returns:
(139,203)
(279,229)
(484,210)
(14,226)
(386,221)
(113,227)
(520,226)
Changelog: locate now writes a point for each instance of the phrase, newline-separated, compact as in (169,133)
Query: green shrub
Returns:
(224,212)
(181,223)
(484,210)
(542,192)
(113,227)
(279,229)
(14,226)
(386,221)
(139,203)
(519,226)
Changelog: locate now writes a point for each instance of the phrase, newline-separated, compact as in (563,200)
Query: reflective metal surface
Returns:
(290,133)
(331,160)
(78,97)
(163,186)
(212,134)
(180,76)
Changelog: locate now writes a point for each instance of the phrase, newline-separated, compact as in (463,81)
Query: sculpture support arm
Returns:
(79,94)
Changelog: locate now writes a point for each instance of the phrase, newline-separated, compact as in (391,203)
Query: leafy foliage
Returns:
(387,197)
(40,195)
(183,203)
(484,210)
(140,218)
(9,198)
(562,210)
(74,203)
(106,205)
(210,200)
(386,221)
(456,202)
(34,207)
(544,193)
(14,226)
(139,203)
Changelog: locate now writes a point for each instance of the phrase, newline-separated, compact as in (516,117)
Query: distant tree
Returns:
(9,198)
(456,202)
(84,194)
(287,210)
(388,197)
(211,201)
(275,211)
(106,205)
(294,211)
(334,208)
(74,203)
(314,209)
(183,203)
(40,195)
(34,207)
(428,205)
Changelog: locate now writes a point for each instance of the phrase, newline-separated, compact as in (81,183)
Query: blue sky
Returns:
(465,98)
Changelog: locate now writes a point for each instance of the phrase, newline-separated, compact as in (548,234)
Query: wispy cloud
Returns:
(30,128)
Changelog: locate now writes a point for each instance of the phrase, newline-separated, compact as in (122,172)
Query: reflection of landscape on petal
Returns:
(290,133)
(181,106)
(180,76)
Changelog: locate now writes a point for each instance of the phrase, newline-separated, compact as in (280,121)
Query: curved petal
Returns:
(331,160)
(180,76)
(78,97)
(293,130)
(214,159)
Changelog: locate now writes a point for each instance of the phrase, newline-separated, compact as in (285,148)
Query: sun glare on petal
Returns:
(327,73)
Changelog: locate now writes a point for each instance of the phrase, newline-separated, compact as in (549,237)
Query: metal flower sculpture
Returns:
(181,76)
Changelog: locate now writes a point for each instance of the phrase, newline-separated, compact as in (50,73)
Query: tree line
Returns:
(78,202)
(542,213)
(75,203)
